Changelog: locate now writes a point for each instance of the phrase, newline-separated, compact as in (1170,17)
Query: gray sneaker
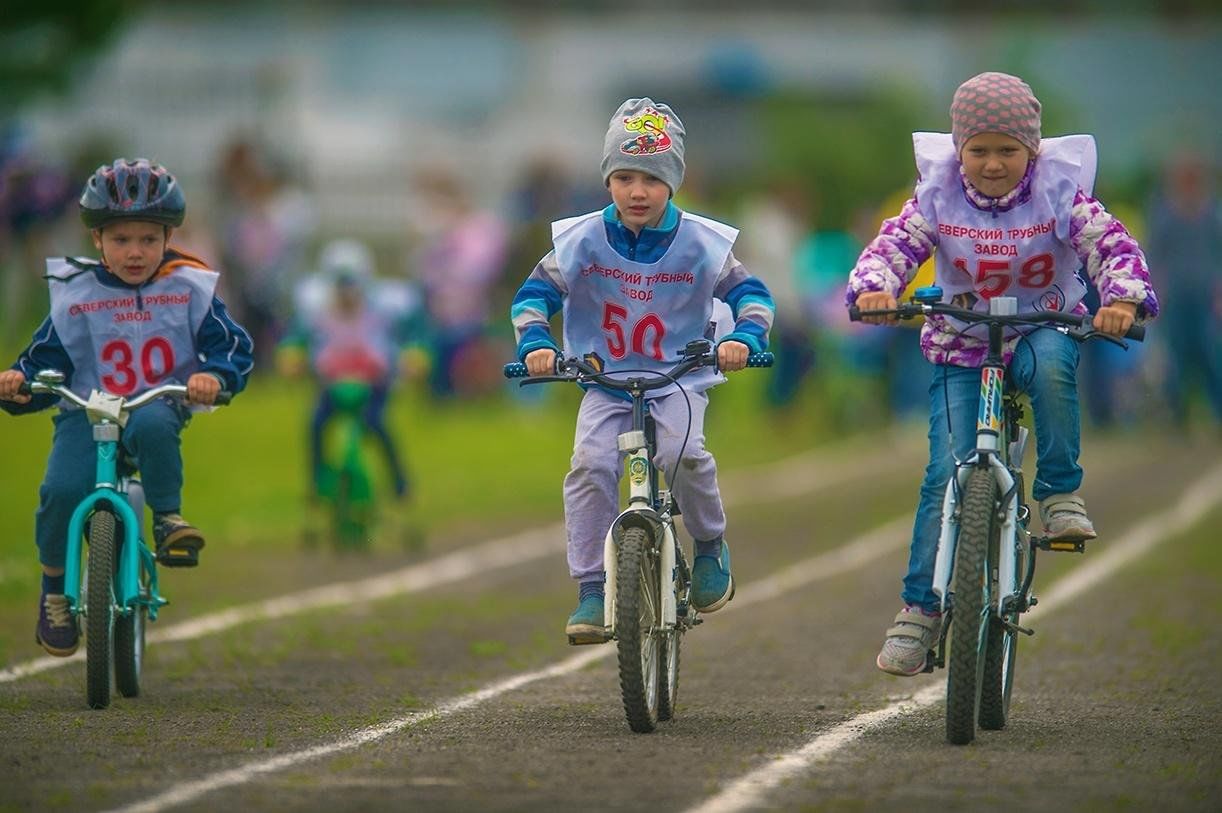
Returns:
(909,641)
(1065,520)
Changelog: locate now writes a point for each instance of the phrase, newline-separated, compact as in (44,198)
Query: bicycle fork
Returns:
(642,513)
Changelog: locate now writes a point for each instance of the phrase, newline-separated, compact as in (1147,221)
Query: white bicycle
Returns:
(648,581)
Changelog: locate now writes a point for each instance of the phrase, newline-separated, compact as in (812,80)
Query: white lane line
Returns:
(750,790)
(798,475)
(860,551)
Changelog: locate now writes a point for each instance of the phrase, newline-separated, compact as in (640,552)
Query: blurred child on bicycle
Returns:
(636,282)
(1003,212)
(146,314)
(351,328)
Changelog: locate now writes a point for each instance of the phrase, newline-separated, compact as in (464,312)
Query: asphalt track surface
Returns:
(447,685)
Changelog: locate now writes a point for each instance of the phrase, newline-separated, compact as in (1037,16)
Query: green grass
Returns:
(479,468)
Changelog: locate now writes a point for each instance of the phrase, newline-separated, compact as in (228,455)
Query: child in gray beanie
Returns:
(636,282)
(1010,213)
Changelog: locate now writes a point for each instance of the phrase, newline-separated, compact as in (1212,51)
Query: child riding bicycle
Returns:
(1002,211)
(351,329)
(637,281)
(145,314)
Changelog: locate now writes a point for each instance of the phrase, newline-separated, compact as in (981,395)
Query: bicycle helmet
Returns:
(132,190)
(346,262)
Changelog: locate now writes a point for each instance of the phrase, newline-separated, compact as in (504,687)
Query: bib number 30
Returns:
(645,335)
(156,360)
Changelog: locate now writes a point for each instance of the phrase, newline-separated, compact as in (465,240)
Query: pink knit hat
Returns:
(995,103)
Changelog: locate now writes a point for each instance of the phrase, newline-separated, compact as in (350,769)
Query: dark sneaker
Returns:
(585,625)
(712,584)
(57,630)
(178,542)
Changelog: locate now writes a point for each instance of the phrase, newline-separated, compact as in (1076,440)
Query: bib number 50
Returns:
(645,335)
(156,359)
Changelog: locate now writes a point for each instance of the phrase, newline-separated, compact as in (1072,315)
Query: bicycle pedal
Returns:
(1064,545)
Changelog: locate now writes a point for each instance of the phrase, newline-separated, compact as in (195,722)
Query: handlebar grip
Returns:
(1136,332)
(854,313)
(760,359)
(516,369)
(25,389)
(222,398)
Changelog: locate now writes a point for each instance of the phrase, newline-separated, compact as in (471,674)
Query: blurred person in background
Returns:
(143,315)
(1007,213)
(1185,251)
(265,226)
(461,258)
(34,196)
(774,226)
(637,280)
(350,326)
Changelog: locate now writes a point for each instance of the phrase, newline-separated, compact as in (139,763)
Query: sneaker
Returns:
(1065,520)
(586,624)
(178,542)
(909,641)
(712,584)
(57,630)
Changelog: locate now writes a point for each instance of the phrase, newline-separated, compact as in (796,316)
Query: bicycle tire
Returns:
(668,684)
(1000,660)
(129,642)
(100,610)
(972,586)
(637,607)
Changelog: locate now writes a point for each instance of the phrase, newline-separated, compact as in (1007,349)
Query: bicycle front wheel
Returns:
(1000,657)
(100,609)
(972,587)
(637,619)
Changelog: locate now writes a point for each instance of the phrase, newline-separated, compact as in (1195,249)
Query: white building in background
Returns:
(357,99)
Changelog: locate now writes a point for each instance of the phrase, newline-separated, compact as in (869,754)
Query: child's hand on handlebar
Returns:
(877,301)
(541,361)
(732,356)
(202,388)
(1115,319)
(10,383)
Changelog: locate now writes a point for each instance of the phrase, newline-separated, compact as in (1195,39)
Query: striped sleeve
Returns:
(534,305)
(1112,259)
(226,349)
(45,352)
(749,301)
(903,243)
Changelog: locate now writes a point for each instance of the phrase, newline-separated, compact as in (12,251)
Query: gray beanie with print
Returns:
(645,136)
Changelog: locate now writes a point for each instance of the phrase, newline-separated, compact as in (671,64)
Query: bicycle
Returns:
(648,579)
(985,547)
(120,573)
(344,483)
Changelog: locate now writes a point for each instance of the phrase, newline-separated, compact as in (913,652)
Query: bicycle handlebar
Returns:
(1080,324)
(177,391)
(576,369)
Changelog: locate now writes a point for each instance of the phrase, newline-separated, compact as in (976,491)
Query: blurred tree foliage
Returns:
(42,42)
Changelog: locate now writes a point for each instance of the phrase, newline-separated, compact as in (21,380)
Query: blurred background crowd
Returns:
(446,136)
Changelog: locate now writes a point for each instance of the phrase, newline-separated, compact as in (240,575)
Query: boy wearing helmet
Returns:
(143,315)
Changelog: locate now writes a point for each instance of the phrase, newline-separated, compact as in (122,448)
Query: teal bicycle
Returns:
(116,592)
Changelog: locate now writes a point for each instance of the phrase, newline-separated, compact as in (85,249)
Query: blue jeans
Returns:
(151,434)
(1045,366)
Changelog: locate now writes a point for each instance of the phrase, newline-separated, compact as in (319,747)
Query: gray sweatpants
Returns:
(591,488)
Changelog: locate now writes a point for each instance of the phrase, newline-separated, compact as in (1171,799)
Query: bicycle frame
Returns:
(110,488)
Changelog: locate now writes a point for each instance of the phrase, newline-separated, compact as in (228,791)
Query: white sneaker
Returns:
(909,641)
(1065,520)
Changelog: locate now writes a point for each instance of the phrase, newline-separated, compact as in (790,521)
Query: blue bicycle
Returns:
(117,590)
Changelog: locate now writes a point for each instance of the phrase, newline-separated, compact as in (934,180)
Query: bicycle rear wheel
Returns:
(972,587)
(129,642)
(1000,658)
(100,609)
(637,618)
